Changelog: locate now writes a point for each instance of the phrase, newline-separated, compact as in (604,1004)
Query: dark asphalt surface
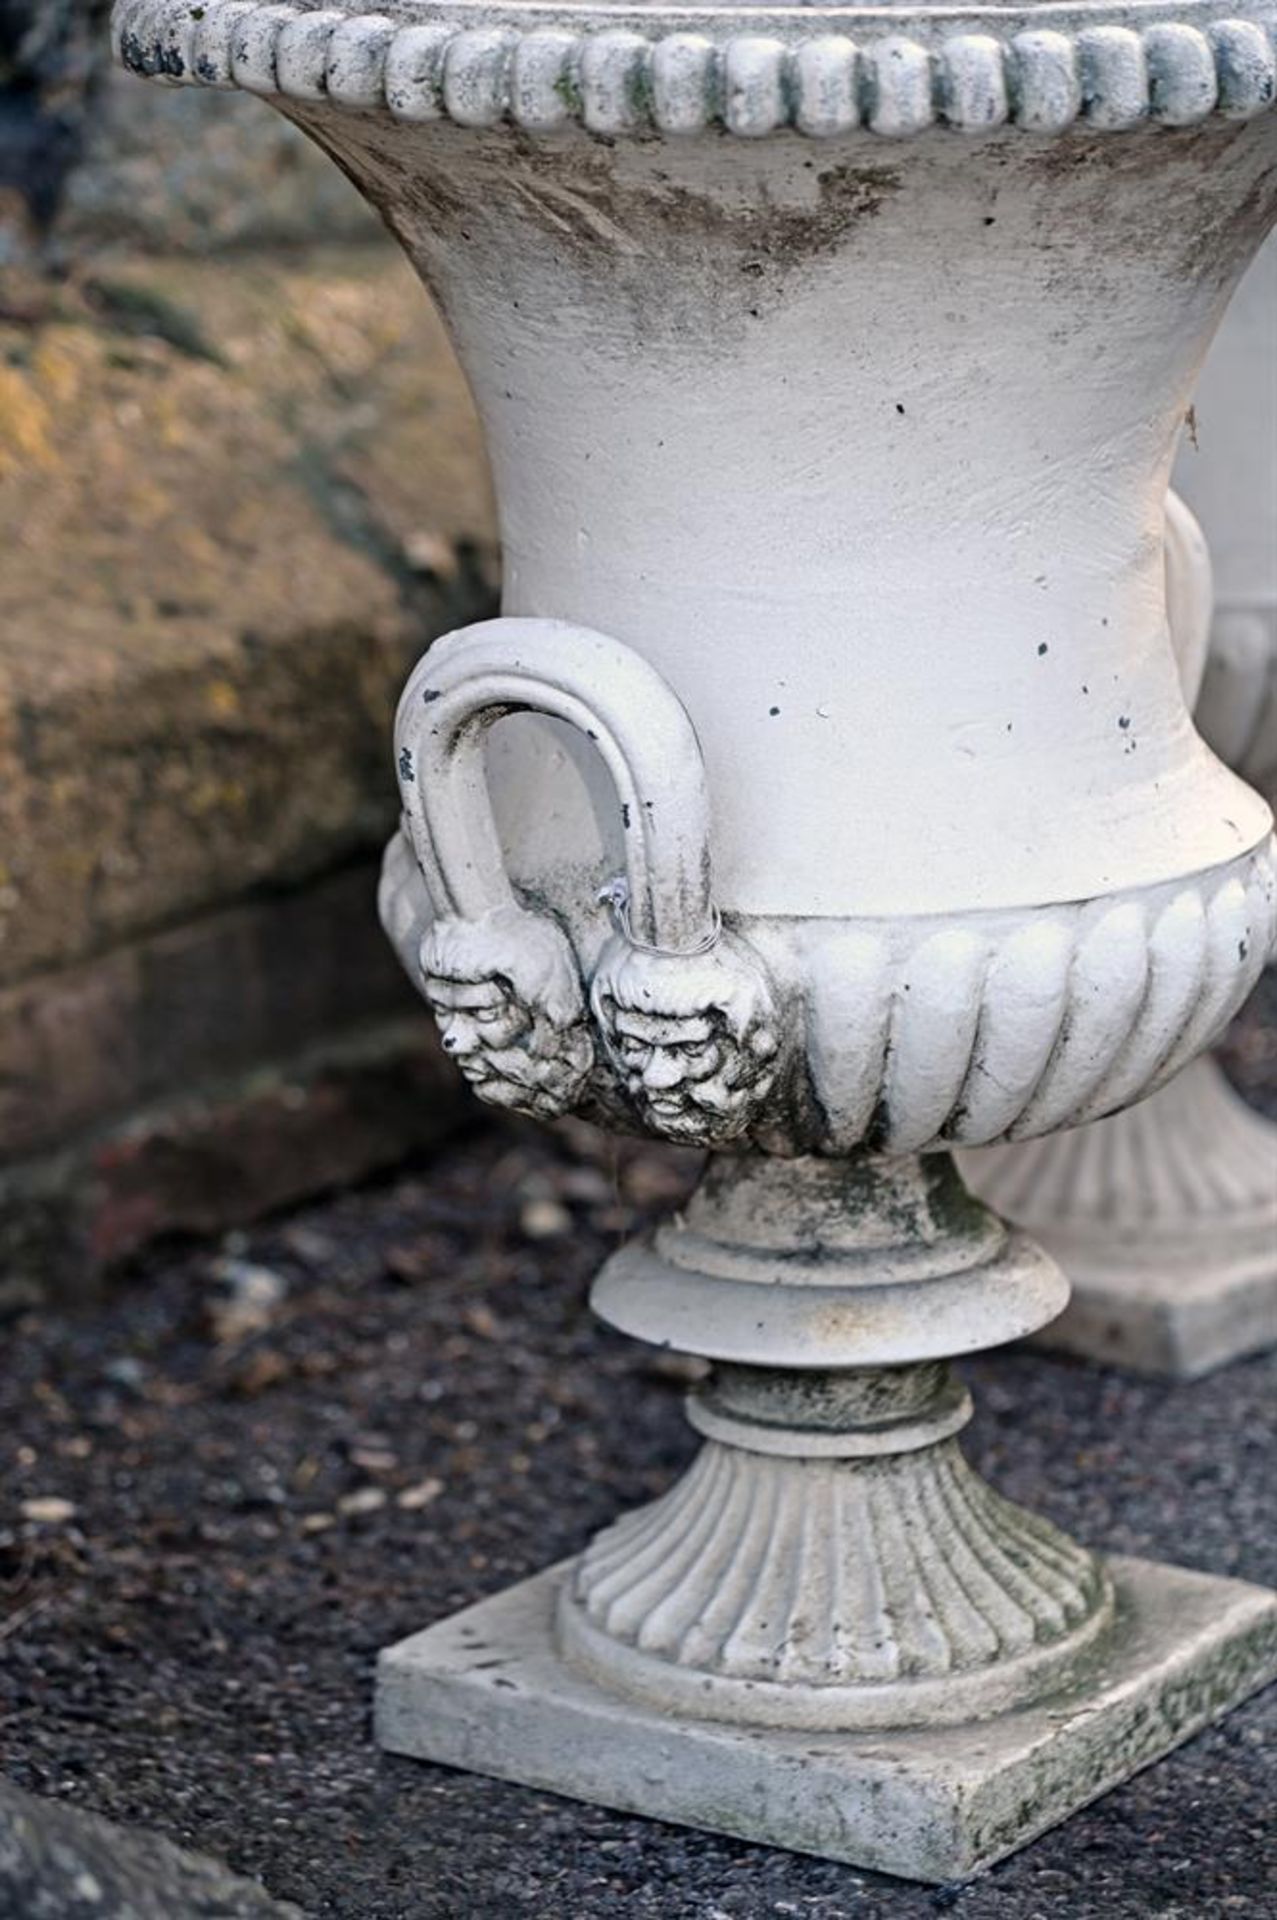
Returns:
(417,1411)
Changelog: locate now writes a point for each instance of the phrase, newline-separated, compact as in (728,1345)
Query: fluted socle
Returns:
(833,1593)
(1183,1170)
(1165,1220)
(804,75)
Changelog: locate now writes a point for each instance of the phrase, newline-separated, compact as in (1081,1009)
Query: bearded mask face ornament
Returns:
(519,1034)
(475,1018)
(694,1038)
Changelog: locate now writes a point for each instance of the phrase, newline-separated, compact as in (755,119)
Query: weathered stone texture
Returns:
(57,1863)
(359,1106)
(237,501)
(196,1003)
(355,1104)
(53,61)
(171,170)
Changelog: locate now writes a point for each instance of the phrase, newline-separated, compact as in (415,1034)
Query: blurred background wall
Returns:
(241,488)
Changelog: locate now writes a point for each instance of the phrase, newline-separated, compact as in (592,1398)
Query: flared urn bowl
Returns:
(827,785)
(831,363)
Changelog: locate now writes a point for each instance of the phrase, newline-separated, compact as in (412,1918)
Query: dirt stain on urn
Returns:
(587,208)
(666,241)
(1209,211)
(774,236)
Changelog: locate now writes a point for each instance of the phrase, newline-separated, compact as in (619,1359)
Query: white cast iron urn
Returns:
(844,808)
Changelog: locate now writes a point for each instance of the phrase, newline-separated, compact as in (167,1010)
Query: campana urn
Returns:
(825,796)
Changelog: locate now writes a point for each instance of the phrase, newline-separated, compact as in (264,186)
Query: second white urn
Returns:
(1165,1218)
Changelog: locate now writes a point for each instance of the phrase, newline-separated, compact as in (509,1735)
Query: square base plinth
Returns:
(1177,1322)
(487,1691)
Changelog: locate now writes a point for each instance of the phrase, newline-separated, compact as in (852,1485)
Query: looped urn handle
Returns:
(503,981)
(608,692)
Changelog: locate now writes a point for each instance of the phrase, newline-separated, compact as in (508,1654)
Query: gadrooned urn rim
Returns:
(749,71)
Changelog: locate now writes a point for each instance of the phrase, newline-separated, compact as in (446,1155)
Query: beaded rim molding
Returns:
(693,69)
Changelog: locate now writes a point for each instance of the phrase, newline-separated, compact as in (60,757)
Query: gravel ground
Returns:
(232,1482)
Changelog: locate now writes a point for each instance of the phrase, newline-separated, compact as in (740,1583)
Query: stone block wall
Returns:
(241,488)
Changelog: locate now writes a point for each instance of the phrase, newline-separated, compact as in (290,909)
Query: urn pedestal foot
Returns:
(831,1634)
(1164,1219)
(488,1690)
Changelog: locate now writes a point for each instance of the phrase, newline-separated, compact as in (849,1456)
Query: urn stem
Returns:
(830,1560)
